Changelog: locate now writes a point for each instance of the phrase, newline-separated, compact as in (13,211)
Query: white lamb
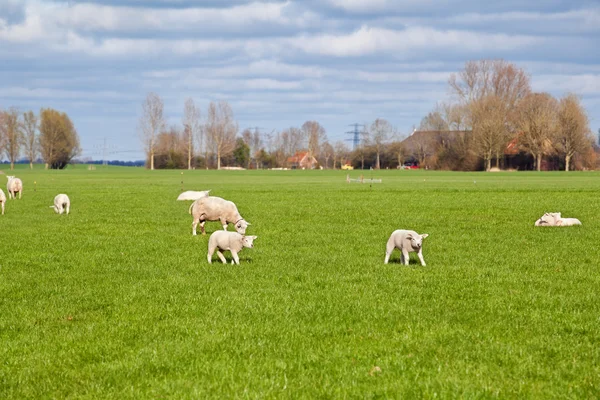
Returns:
(61,204)
(193,195)
(407,242)
(232,241)
(2,200)
(555,219)
(213,208)
(14,186)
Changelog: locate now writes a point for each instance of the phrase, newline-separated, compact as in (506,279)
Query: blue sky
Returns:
(280,63)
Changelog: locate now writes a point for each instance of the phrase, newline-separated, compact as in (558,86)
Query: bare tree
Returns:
(12,132)
(222,129)
(192,128)
(340,152)
(573,134)
(30,139)
(327,152)
(489,128)
(537,124)
(434,121)
(58,139)
(400,151)
(314,133)
(380,132)
(152,122)
(457,116)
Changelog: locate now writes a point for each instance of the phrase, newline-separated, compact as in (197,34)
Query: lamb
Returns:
(2,200)
(555,219)
(61,204)
(13,186)
(214,208)
(232,241)
(406,241)
(193,195)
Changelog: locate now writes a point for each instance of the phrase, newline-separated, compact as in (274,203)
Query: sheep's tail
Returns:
(191,206)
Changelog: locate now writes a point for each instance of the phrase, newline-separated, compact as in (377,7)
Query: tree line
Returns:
(494,101)
(50,135)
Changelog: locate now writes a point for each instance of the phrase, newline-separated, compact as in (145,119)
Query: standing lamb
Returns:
(406,241)
(213,208)
(232,241)
(14,185)
(2,200)
(61,204)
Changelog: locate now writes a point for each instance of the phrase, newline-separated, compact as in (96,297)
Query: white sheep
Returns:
(193,195)
(232,241)
(407,242)
(2,200)
(61,204)
(555,219)
(213,208)
(14,185)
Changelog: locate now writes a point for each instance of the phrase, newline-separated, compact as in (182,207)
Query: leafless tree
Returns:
(192,128)
(434,121)
(152,122)
(400,151)
(222,128)
(380,133)
(58,139)
(489,128)
(12,133)
(537,123)
(327,152)
(457,116)
(340,152)
(30,138)
(314,134)
(573,135)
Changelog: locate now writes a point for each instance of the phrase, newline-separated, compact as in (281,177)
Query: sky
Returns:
(280,63)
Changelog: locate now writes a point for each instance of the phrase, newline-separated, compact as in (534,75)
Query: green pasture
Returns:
(117,300)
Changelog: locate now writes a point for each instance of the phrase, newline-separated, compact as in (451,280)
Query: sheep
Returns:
(61,204)
(193,195)
(555,219)
(13,186)
(213,208)
(2,200)
(232,241)
(406,241)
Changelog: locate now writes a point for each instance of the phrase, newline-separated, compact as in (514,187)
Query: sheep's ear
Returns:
(254,237)
(424,235)
(248,223)
(409,236)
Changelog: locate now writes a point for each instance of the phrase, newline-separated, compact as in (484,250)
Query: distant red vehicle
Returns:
(409,166)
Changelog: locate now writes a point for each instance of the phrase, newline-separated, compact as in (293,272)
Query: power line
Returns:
(356,135)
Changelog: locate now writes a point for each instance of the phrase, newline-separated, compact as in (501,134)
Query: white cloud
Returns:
(584,84)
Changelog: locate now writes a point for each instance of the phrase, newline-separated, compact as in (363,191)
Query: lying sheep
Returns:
(2,200)
(14,186)
(193,195)
(232,241)
(406,241)
(61,204)
(555,219)
(213,208)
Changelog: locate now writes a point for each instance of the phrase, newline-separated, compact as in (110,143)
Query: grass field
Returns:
(117,300)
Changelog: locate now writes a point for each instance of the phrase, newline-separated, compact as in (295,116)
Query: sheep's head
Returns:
(241,226)
(9,177)
(248,241)
(416,241)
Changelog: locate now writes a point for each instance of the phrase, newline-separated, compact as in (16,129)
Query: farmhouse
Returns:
(303,160)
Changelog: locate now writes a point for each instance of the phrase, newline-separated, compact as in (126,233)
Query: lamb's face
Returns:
(9,177)
(241,226)
(417,241)
(248,241)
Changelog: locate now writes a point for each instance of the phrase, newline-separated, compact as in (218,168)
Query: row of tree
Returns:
(51,135)
(493,99)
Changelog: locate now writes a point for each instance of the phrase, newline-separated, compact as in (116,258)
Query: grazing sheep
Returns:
(61,204)
(555,219)
(213,208)
(232,241)
(406,241)
(193,195)
(14,186)
(2,200)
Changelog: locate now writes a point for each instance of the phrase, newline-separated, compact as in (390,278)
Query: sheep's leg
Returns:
(68,209)
(194,224)
(389,249)
(209,255)
(420,254)
(235,257)
(224,223)
(222,257)
(20,192)
(202,227)
(2,208)
(60,210)
(405,256)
